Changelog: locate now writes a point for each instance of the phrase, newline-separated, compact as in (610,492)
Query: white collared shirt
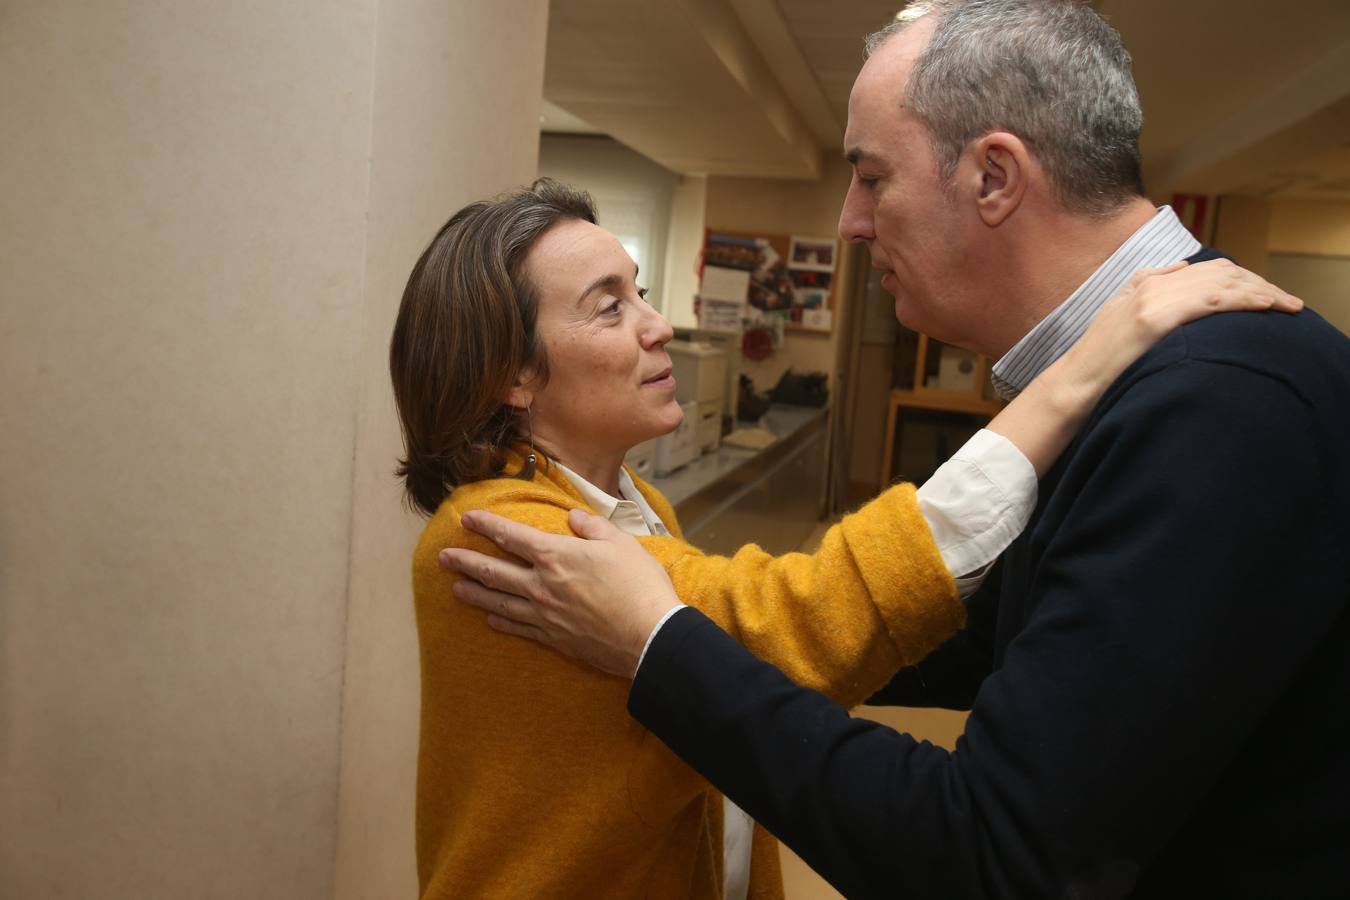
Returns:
(632,514)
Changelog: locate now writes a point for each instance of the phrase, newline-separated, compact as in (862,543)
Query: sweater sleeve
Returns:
(950,676)
(1161,637)
(874,597)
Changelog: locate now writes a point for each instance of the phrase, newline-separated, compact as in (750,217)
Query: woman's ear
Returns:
(521,394)
(1000,166)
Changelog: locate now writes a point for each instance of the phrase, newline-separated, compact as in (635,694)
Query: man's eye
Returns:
(612,309)
(867,181)
(642,293)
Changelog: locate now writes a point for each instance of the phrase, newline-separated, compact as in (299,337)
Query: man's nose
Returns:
(855,219)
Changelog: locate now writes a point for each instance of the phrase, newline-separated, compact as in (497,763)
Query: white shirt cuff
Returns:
(652,636)
(976,504)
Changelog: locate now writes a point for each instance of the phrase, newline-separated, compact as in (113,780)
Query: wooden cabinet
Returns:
(923,396)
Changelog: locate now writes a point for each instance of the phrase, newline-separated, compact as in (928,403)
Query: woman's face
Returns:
(609,384)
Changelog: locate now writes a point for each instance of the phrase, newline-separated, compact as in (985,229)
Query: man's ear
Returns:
(997,168)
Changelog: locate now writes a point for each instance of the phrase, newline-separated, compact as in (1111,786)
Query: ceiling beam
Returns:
(1305,113)
(763,20)
(681,82)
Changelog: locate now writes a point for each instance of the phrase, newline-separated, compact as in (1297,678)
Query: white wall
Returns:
(632,195)
(1243,230)
(1320,226)
(1302,244)
(1323,282)
(209,212)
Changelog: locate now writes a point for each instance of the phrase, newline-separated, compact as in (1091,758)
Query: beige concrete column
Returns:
(458,91)
(684,247)
(209,210)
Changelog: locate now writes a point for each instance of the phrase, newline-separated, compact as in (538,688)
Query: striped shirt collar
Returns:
(1160,241)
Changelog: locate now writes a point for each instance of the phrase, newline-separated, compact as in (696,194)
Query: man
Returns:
(1157,670)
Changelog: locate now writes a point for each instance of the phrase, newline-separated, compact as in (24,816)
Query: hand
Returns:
(596,600)
(1156,301)
(1045,417)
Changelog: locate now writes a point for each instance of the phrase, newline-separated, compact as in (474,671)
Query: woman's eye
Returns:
(642,294)
(867,181)
(612,309)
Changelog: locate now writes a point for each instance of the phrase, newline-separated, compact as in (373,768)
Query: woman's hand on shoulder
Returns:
(1155,302)
(1043,420)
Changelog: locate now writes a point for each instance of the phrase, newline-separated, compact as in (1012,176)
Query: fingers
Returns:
(1239,288)
(590,526)
(507,613)
(1257,293)
(501,574)
(506,626)
(520,540)
(497,603)
(1287,303)
(1179,297)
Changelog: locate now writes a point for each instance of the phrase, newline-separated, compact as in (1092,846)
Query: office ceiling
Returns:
(1240,96)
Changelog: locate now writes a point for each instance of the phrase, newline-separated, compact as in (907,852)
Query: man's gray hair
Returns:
(1052,72)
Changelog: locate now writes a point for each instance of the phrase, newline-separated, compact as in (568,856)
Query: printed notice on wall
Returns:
(725,284)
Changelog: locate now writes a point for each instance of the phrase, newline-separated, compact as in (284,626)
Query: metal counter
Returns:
(773,497)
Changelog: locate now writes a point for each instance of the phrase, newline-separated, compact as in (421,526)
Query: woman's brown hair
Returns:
(465,332)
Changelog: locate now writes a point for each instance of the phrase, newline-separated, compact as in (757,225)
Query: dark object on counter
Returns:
(806,389)
(749,405)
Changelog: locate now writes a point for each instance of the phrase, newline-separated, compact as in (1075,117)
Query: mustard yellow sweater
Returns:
(534,782)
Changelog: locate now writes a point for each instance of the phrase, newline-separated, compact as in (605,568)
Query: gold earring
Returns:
(526,472)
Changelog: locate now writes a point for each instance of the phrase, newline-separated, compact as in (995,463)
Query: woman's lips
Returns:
(660,380)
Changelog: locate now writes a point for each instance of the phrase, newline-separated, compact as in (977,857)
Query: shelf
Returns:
(930,399)
(945,401)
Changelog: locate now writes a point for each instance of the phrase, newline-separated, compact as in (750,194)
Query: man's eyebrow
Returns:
(609,282)
(855,155)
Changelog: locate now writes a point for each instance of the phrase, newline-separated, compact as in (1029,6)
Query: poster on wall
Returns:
(785,278)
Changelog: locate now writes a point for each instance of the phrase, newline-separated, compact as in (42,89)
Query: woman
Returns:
(525,365)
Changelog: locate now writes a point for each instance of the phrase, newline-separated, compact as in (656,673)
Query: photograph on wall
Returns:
(784,277)
(811,267)
(816,254)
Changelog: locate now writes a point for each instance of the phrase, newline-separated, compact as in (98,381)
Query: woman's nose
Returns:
(656,331)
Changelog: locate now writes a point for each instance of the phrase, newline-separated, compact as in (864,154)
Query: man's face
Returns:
(895,204)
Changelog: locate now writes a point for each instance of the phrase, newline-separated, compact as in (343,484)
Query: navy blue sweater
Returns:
(1158,671)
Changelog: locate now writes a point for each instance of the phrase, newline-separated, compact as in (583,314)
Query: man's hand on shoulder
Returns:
(595,597)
